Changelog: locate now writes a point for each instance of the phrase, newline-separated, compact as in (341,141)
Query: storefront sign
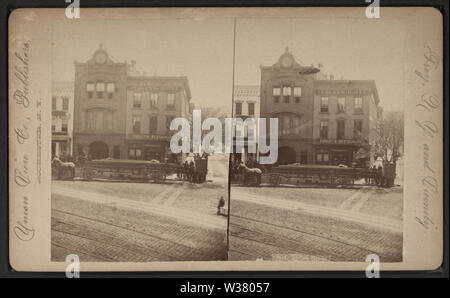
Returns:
(349,92)
(149,137)
(337,141)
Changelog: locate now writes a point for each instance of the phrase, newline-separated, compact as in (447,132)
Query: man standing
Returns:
(221,204)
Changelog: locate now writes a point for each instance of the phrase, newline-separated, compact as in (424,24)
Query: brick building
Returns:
(122,113)
(62,118)
(321,120)
(246,105)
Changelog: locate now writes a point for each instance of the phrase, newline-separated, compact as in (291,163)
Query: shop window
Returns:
(134,152)
(116,152)
(304,157)
(322,158)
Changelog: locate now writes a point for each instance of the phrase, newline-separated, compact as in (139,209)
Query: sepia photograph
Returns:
(335,192)
(225,139)
(118,191)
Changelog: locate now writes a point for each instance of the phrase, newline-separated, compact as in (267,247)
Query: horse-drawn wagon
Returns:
(314,174)
(119,169)
(130,170)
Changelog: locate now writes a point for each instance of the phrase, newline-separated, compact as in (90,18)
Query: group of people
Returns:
(376,175)
(188,170)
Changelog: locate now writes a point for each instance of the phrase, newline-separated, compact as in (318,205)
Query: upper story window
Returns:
(324,104)
(287,92)
(358,105)
(169,119)
(100,89)
(137,100)
(153,101)
(239,108)
(324,129)
(297,94)
(136,124)
(341,105)
(171,101)
(276,92)
(153,124)
(110,88)
(358,125)
(289,124)
(90,88)
(99,120)
(340,129)
(65,103)
(54,100)
(251,109)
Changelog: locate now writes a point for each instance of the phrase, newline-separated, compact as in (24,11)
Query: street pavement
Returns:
(140,222)
(315,224)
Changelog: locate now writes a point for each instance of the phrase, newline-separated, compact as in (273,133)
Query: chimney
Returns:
(320,65)
(133,63)
(331,77)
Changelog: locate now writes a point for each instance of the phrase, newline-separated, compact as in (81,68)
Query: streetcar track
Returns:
(104,259)
(245,253)
(105,243)
(125,228)
(295,230)
(115,245)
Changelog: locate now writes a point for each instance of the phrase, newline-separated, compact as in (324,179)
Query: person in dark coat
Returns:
(221,204)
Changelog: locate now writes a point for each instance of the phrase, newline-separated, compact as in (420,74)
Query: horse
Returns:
(250,172)
(62,167)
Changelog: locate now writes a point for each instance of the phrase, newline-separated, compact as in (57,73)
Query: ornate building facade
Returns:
(123,114)
(320,120)
(246,104)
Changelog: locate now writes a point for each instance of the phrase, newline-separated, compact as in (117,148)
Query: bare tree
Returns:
(390,137)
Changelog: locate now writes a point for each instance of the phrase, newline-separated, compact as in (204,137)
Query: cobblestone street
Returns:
(138,222)
(312,224)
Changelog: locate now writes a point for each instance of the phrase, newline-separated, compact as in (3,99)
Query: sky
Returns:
(356,49)
(202,50)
